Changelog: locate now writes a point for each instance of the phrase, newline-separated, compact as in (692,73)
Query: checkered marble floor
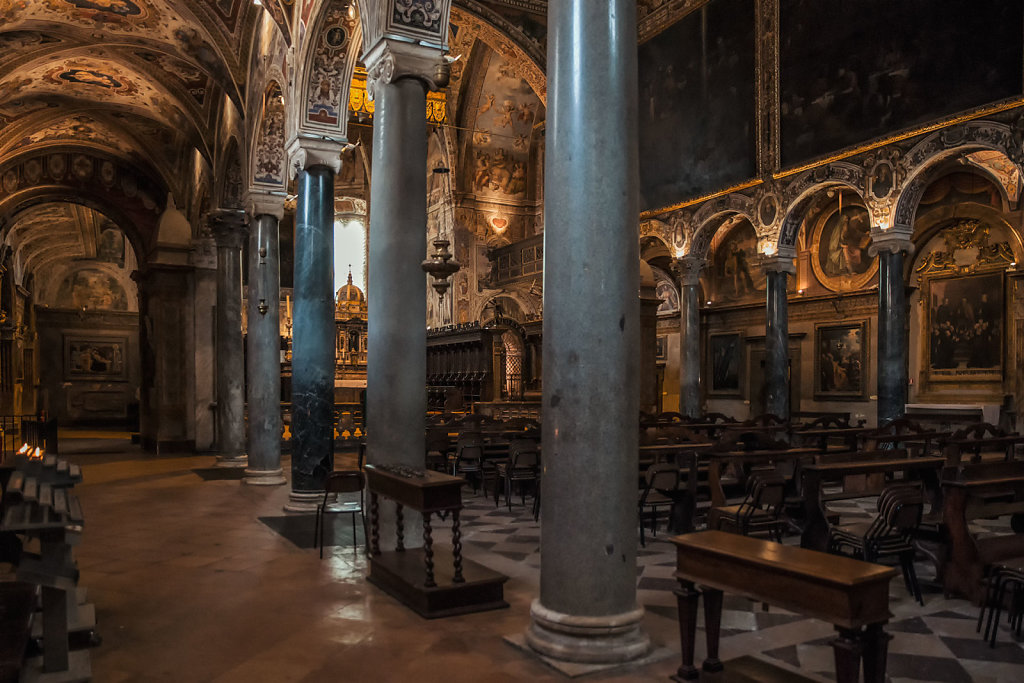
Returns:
(935,643)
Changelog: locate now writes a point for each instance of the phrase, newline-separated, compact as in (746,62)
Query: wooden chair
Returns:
(522,466)
(469,459)
(660,482)
(760,511)
(891,533)
(437,449)
(341,482)
(1008,574)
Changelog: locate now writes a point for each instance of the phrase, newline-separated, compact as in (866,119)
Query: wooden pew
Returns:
(978,439)
(815,533)
(851,594)
(974,492)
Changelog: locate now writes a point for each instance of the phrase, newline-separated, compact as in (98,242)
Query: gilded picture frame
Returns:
(965,326)
(725,365)
(841,361)
(839,248)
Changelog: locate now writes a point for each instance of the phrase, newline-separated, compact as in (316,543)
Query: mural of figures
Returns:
(841,237)
(735,275)
(323,96)
(92,289)
(99,358)
(110,247)
(965,327)
(666,291)
(697,131)
(851,71)
(840,361)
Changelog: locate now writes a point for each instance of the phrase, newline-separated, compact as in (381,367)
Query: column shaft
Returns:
(689,343)
(587,610)
(313,332)
(892,336)
(776,343)
(230,354)
(264,353)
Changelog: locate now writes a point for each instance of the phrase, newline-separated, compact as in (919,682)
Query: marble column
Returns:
(587,610)
(776,340)
(313,328)
(230,233)
(263,343)
(688,268)
(396,398)
(890,246)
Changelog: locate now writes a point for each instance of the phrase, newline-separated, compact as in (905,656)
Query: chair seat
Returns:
(343,506)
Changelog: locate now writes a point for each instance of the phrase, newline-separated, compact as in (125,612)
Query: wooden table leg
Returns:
(374,523)
(712,628)
(457,548)
(687,597)
(399,528)
(428,550)
(876,653)
(848,650)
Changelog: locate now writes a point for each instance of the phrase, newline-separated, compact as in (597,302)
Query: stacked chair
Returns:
(38,510)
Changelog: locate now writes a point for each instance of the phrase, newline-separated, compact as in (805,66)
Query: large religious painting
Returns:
(94,358)
(965,327)
(725,364)
(853,71)
(666,291)
(735,275)
(697,105)
(840,361)
(839,248)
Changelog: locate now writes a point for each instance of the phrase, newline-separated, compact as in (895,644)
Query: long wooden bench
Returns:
(851,594)
(977,492)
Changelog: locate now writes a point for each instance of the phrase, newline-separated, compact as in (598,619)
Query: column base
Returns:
(232,461)
(264,477)
(303,501)
(608,639)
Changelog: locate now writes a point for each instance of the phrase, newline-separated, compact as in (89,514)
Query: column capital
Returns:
(778,263)
(228,227)
(265,204)
(894,240)
(390,60)
(688,269)
(306,151)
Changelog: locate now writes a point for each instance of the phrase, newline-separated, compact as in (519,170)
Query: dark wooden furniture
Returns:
(718,461)
(978,439)
(434,583)
(815,533)
(980,491)
(851,594)
(17,603)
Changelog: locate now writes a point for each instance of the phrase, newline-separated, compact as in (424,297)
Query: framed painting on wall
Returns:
(965,327)
(839,248)
(725,364)
(95,358)
(661,350)
(841,361)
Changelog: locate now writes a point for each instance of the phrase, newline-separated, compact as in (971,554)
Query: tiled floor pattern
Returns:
(190,586)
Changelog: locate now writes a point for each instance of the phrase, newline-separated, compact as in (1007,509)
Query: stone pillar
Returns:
(688,269)
(263,343)
(587,610)
(203,258)
(230,233)
(890,246)
(396,370)
(776,341)
(313,328)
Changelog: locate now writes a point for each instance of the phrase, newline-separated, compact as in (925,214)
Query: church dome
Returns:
(349,292)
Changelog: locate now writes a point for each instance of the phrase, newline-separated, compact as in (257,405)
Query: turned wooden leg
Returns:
(399,528)
(374,523)
(428,550)
(457,548)
(876,652)
(687,597)
(848,650)
(712,628)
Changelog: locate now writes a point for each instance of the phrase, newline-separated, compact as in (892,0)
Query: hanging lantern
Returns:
(440,266)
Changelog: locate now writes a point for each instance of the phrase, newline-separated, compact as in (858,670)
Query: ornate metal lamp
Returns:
(440,266)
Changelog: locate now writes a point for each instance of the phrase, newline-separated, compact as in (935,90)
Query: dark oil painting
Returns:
(854,70)
(725,360)
(965,327)
(697,105)
(841,360)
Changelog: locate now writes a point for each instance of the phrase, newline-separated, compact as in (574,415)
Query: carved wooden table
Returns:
(433,582)
(851,594)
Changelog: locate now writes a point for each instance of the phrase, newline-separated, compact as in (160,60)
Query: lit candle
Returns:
(288,306)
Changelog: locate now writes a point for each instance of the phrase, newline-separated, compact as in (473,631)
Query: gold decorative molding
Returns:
(654,213)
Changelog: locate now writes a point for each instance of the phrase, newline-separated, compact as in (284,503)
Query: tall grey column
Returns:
(776,341)
(688,268)
(230,233)
(263,343)
(313,328)
(396,368)
(892,321)
(587,610)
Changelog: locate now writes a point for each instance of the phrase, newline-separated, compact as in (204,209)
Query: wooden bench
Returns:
(851,594)
(980,491)
(815,532)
